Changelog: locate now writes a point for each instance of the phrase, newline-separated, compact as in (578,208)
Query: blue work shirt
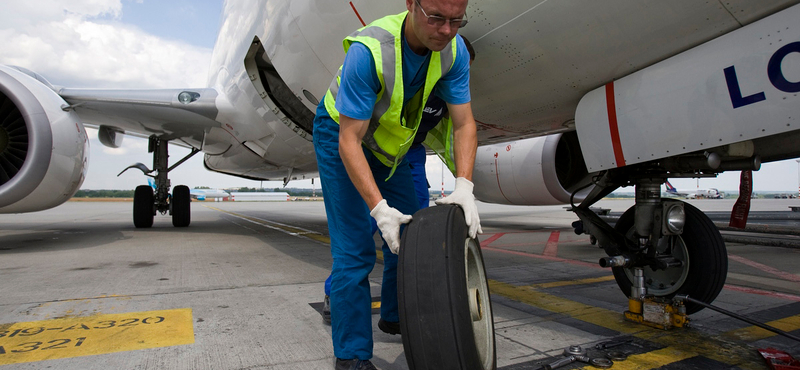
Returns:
(359,86)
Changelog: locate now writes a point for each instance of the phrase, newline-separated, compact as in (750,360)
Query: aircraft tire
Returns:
(181,206)
(704,271)
(143,203)
(445,310)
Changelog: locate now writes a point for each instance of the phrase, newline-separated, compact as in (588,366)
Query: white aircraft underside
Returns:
(573,99)
(535,62)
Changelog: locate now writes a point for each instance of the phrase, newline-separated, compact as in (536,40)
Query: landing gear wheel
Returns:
(700,248)
(143,207)
(181,206)
(445,311)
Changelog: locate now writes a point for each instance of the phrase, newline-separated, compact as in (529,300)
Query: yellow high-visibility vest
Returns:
(392,126)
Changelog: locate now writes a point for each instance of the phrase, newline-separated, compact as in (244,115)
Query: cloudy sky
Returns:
(120,44)
(168,44)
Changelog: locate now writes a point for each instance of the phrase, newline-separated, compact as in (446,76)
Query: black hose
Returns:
(737,316)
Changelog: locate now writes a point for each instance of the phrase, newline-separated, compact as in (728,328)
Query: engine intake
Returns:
(13,139)
(43,149)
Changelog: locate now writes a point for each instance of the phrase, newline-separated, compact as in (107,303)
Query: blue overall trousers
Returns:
(352,246)
(416,159)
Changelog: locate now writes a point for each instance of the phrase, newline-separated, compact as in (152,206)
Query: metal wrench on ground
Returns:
(612,343)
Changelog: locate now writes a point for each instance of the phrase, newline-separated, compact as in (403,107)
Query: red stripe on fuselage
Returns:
(357,15)
(611,106)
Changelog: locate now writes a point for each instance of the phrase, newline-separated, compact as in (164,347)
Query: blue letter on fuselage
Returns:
(736,92)
(776,74)
(776,77)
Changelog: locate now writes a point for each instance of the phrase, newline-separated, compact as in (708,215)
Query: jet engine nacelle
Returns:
(538,171)
(43,148)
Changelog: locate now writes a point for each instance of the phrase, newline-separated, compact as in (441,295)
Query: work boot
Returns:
(326,310)
(354,364)
(389,327)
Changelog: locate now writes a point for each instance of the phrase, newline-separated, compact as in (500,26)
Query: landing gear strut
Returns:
(146,202)
(676,245)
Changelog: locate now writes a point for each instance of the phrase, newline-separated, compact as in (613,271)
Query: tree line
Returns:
(295,192)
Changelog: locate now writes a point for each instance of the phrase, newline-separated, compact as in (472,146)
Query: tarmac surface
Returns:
(241,288)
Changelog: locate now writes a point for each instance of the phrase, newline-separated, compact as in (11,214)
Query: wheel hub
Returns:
(475,308)
(478,296)
(667,281)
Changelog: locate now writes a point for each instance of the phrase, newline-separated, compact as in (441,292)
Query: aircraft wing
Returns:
(182,114)
(44,147)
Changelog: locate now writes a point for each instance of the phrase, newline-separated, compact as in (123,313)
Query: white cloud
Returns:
(70,46)
(24,14)
(82,43)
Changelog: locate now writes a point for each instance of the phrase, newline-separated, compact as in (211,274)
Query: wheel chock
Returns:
(657,312)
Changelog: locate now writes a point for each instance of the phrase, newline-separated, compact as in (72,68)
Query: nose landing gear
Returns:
(675,245)
(146,201)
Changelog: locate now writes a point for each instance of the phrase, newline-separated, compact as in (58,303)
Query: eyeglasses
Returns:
(437,21)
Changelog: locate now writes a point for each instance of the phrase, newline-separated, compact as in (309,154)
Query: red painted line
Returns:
(789,297)
(611,106)
(491,239)
(560,242)
(527,232)
(551,249)
(357,15)
(770,270)
(556,259)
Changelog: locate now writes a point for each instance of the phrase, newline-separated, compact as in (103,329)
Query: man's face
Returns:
(435,37)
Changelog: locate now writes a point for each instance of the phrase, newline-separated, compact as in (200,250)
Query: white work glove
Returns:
(389,220)
(462,196)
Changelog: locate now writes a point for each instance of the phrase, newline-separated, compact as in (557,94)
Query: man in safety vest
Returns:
(435,112)
(363,128)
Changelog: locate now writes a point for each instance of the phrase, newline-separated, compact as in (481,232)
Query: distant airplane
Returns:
(199,194)
(202,194)
(710,193)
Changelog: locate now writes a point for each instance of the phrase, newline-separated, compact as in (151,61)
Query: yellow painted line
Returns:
(591,314)
(650,360)
(686,342)
(714,347)
(556,284)
(94,335)
(679,345)
(754,333)
(291,230)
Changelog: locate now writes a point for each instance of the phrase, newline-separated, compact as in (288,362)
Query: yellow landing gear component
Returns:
(653,311)
(657,312)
